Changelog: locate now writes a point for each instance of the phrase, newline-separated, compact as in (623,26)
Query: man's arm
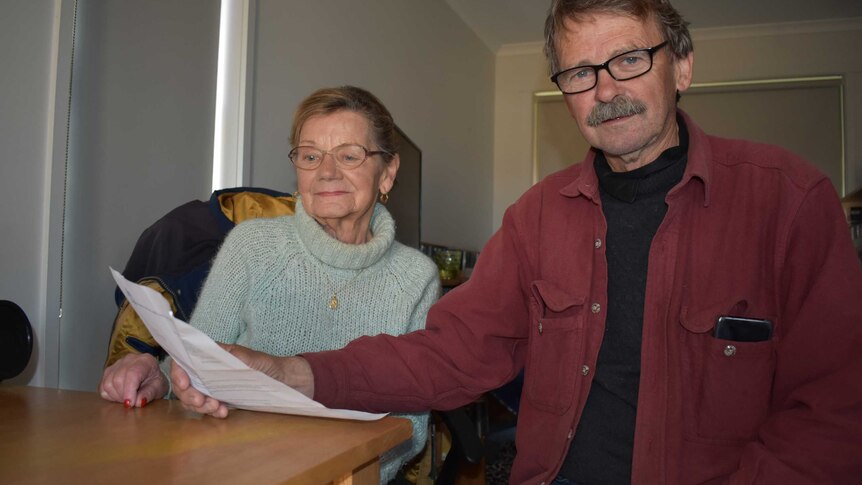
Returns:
(475,340)
(814,431)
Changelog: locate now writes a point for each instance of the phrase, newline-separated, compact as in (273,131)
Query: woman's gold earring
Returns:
(384,197)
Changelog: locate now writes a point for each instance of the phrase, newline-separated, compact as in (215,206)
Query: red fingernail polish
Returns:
(127,403)
(143,401)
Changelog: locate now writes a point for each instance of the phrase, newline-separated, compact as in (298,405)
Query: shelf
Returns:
(852,199)
(452,283)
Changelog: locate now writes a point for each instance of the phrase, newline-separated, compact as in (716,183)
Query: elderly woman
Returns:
(323,277)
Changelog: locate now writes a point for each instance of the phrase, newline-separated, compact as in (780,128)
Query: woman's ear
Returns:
(390,170)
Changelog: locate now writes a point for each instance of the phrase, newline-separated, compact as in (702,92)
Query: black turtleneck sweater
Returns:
(634,206)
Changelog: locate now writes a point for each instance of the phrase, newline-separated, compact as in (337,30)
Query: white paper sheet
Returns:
(213,370)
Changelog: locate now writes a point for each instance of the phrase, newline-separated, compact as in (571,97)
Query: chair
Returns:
(16,340)
(467,448)
(502,417)
(173,257)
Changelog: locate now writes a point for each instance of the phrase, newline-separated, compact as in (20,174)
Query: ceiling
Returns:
(499,22)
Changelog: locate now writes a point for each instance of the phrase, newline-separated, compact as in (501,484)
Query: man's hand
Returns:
(293,371)
(192,399)
(134,380)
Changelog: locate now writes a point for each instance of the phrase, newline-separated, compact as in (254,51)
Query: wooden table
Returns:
(56,436)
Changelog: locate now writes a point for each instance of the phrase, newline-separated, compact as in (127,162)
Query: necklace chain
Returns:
(333,299)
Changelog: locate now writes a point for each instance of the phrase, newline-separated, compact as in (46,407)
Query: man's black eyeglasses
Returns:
(622,67)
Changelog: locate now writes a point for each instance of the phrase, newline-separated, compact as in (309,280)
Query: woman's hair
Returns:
(349,98)
(673,26)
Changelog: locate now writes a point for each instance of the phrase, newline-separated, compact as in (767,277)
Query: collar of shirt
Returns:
(586,181)
(652,177)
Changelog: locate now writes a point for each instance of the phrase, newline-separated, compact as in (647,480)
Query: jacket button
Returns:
(585,370)
(540,328)
(730,350)
(571,434)
(596,308)
(598,243)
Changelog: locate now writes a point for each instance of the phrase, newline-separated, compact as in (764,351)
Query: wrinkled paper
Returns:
(215,371)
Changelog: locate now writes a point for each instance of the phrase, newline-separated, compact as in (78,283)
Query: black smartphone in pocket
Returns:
(743,329)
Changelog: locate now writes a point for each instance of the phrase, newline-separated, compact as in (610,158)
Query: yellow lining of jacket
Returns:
(236,206)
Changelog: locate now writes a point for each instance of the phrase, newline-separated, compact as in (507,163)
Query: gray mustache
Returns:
(619,107)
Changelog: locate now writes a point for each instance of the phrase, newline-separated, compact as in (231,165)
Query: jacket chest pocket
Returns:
(726,385)
(556,346)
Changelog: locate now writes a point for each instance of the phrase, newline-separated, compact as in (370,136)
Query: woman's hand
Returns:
(134,380)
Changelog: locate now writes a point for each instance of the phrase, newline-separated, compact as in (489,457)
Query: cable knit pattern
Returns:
(270,285)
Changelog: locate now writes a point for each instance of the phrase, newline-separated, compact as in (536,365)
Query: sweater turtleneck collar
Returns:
(653,177)
(335,253)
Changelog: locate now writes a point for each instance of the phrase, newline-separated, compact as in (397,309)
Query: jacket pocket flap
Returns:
(703,319)
(553,297)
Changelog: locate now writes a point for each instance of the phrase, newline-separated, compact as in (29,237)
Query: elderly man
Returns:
(686,308)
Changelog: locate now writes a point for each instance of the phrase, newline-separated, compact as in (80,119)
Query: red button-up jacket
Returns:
(751,230)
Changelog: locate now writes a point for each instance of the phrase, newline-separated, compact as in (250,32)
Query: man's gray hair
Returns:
(673,26)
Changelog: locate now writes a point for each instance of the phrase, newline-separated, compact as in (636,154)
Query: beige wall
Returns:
(26,100)
(87,167)
(733,54)
(140,140)
(425,64)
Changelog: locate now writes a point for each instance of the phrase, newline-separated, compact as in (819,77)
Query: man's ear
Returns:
(683,69)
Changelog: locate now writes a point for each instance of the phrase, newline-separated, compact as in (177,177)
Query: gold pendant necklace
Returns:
(333,300)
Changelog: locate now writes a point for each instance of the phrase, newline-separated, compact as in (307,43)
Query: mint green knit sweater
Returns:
(270,286)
